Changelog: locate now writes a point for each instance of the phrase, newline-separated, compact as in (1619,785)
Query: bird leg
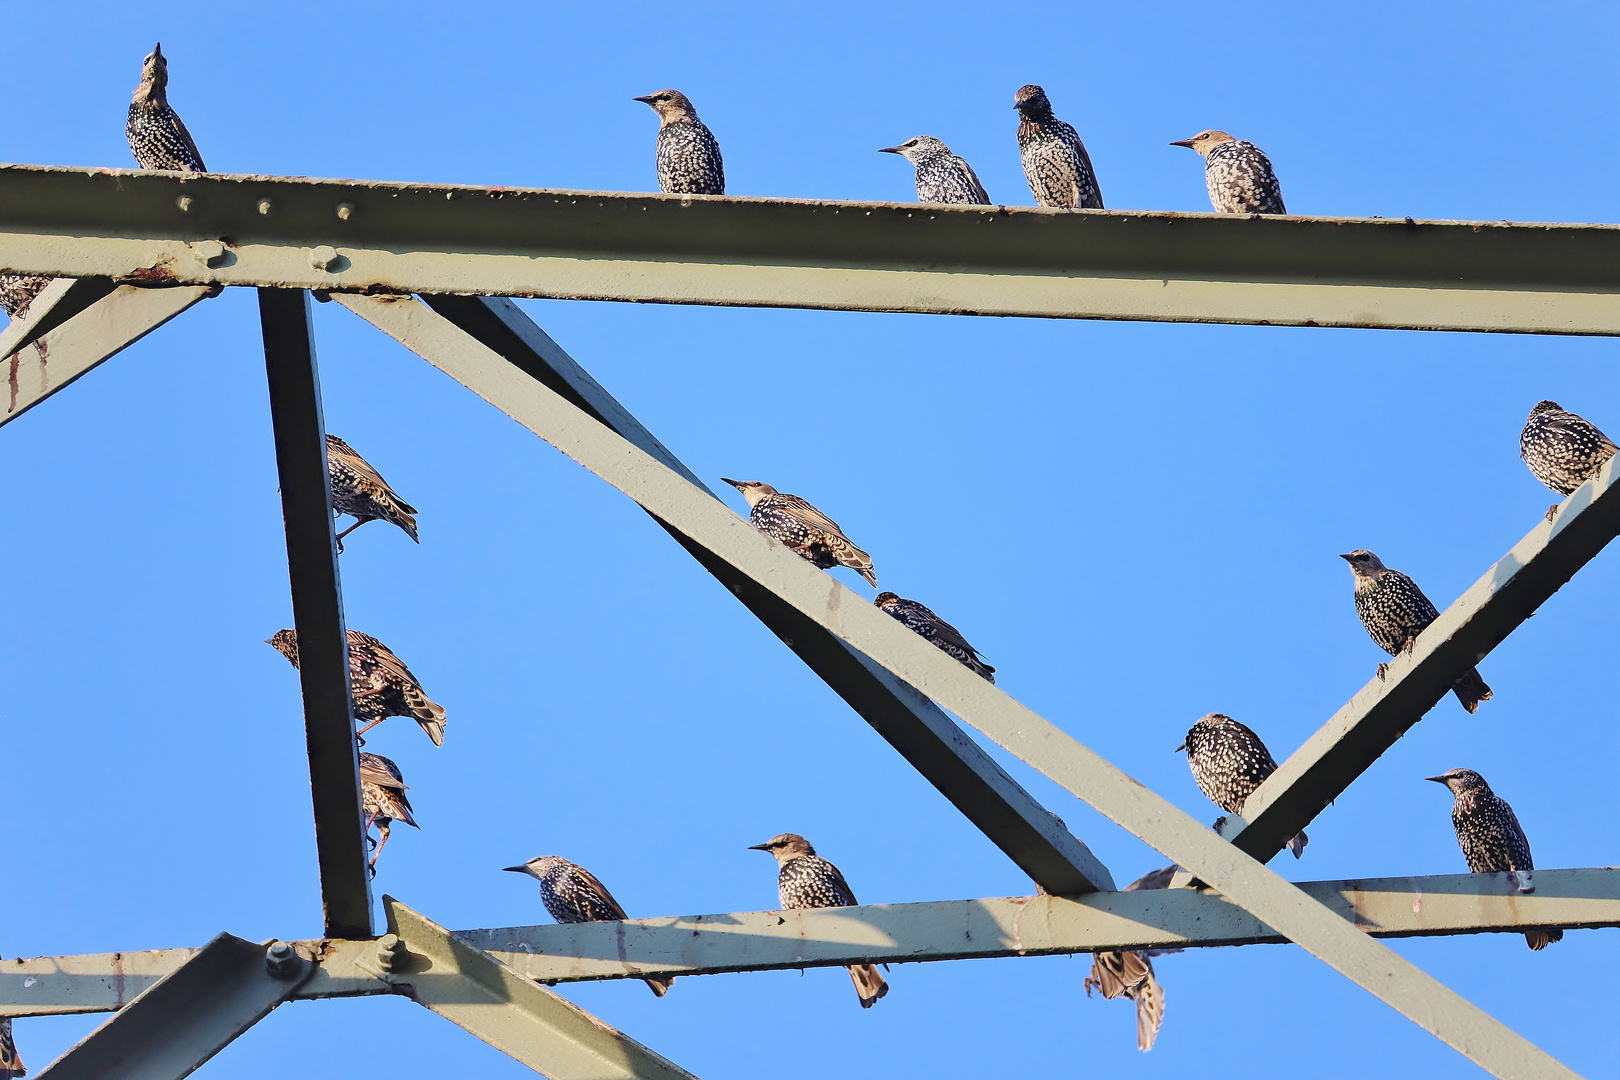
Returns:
(1382,668)
(346,532)
(368,727)
(1552,511)
(1411,643)
(382,839)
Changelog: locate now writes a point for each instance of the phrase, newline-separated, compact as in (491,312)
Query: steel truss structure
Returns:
(433,266)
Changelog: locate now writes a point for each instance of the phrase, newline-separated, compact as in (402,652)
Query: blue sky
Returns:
(1137,524)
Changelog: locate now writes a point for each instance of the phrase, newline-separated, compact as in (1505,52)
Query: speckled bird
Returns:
(11,1063)
(806,880)
(1239,177)
(1230,762)
(381,684)
(17,291)
(360,491)
(918,618)
(572,894)
(382,797)
(803,528)
(688,154)
(1562,449)
(942,177)
(1055,160)
(155,132)
(1129,972)
(1491,838)
(1395,611)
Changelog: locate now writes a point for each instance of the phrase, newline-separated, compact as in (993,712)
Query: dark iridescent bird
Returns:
(381,684)
(382,797)
(155,132)
(918,618)
(17,291)
(1395,611)
(806,880)
(942,177)
(360,491)
(1129,972)
(688,155)
(803,528)
(1055,160)
(1230,762)
(1239,177)
(1491,838)
(1563,450)
(11,1063)
(572,894)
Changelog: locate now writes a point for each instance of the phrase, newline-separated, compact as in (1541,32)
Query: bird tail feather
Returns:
(429,713)
(1149,1012)
(1540,939)
(1297,844)
(1471,690)
(869,985)
(659,985)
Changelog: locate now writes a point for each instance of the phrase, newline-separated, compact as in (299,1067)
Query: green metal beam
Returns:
(58,302)
(169,1029)
(424,238)
(1383,710)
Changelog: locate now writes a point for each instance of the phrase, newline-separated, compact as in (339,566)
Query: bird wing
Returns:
(190,143)
(601,892)
(393,668)
(366,478)
(1521,850)
(1153,879)
(1570,424)
(944,631)
(809,515)
(841,888)
(973,178)
(382,772)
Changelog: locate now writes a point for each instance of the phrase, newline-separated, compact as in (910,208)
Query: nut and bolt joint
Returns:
(392,953)
(282,960)
(326,258)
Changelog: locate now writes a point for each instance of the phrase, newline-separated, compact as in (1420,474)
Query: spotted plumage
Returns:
(360,491)
(1395,611)
(919,619)
(1563,450)
(803,528)
(1230,762)
(11,1063)
(689,160)
(1055,160)
(157,137)
(806,880)
(381,684)
(382,797)
(1129,973)
(17,291)
(572,894)
(942,177)
(1239,177)
(1491,838)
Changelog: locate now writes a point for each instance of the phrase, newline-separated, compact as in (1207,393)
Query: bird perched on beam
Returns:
(1055,160)
(1491,838)
(803,528)
(11,1063)
(688,154)
(1237,174)
(1563,450)
(1395,611)
(155,132)
(942,177)
(381,684)
(382,797)
(1129,972)
(920,619)
(360,491)
(1230,762)
(806,880)
(572,894)
(17,291)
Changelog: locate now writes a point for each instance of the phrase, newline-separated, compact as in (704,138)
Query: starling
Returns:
(1238,175)
(1563,450)
(1129,973)
(803,528)
(155,132)
(382,797)
(942,177)
(11,1064)
(806,880)
(1229,762)
(688,155)
(1055,160)
(1395,611)
(572,894)
(360,491)
(17,291)
(1490,837)
(381,684)
(920,619)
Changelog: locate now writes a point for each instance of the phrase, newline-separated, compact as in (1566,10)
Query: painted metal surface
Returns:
(171,1028)
(1383,710)
(404,238)
(934,744)
(317,602)
(58,302)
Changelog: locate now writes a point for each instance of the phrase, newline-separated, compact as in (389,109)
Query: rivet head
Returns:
(266,206)
(184,202)
(325,258)
(345,211)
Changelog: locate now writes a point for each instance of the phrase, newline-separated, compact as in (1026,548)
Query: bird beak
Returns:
(269,641)
(515,869)
(645,100)
(1436,779)
(1180,748)
(889,150)
(1346,558)
(1183,142)
(759,847)
(734,483)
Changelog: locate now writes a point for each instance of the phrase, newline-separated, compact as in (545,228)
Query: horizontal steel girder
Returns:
(1382,711)
(1443,904)
(407,238)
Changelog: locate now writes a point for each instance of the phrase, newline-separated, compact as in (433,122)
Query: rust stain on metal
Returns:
(12,379)
(158,273)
